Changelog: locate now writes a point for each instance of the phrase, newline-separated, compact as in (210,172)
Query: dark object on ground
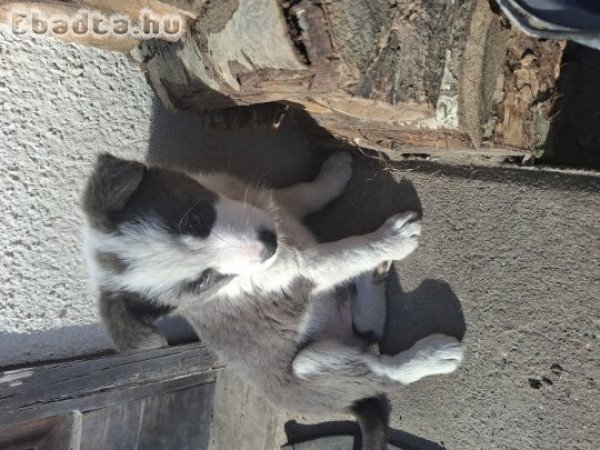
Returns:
(575,20)
(345,435)
(574,137)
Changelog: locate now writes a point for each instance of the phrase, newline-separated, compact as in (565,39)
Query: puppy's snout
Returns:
(269,241)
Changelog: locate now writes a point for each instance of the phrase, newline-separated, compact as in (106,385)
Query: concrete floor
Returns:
(509,259)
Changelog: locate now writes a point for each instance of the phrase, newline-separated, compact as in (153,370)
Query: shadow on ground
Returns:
(274,154)
(431,308)
(342,433)
(574,135)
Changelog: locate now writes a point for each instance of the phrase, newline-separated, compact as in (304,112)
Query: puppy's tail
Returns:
(373,415)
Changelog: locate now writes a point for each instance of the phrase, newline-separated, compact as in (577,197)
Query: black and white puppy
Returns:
(238,264)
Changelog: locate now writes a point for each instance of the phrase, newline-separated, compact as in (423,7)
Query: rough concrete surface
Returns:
(514,256)
(59,105)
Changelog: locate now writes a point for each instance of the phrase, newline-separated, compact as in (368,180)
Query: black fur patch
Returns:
(174,199)
(111,262)
(129,318)
(121,191)
(373,415)
(147,309)
(109,187)
(370,337)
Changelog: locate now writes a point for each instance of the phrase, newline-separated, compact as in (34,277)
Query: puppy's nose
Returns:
(269,241)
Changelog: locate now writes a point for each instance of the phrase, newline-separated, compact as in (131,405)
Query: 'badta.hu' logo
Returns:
(148,25)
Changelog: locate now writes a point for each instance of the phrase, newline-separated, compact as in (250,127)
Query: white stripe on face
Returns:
(156,260)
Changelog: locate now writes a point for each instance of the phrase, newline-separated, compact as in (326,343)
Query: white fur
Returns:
(325,356)
(433,355)
(369,307)
(156,261)
(332,263)
(436,354)
(303,198)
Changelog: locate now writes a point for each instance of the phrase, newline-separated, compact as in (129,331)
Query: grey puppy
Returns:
(238,264)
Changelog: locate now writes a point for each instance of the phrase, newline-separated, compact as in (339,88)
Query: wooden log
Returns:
(382,74)
(520,110)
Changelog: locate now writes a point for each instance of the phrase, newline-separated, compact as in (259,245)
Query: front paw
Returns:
(336,171)
(433,355)
(438,354)
(400,234)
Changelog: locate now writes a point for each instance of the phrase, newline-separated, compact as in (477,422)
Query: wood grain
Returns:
(96,382)
(175,420)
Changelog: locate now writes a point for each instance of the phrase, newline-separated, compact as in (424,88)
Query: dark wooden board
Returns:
(61,432)
(95,382)
(175,420)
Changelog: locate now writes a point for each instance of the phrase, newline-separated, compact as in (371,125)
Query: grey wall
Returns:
(59,105)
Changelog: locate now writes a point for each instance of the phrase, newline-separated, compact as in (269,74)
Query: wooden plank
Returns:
(243,418)
(62,432)
(179,420)
(95,382)
(113,427)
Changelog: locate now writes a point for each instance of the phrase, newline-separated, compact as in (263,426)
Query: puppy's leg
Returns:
(332,263)
(130,321)
(303,198)
(334,361)
(370,303)
(433,355)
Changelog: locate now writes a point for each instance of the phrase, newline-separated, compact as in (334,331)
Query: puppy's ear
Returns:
(111,184)
(130,320)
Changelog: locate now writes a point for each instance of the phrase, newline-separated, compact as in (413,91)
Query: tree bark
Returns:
(378,74)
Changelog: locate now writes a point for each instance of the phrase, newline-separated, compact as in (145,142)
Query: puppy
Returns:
(238,264)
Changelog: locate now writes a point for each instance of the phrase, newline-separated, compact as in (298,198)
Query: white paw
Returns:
(403,224)
(437,354)
(337,170)
(433,355)
(400,234)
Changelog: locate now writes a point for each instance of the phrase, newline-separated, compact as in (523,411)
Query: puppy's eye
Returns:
(200,220)
(195,222)
(196,226)
(205,279)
